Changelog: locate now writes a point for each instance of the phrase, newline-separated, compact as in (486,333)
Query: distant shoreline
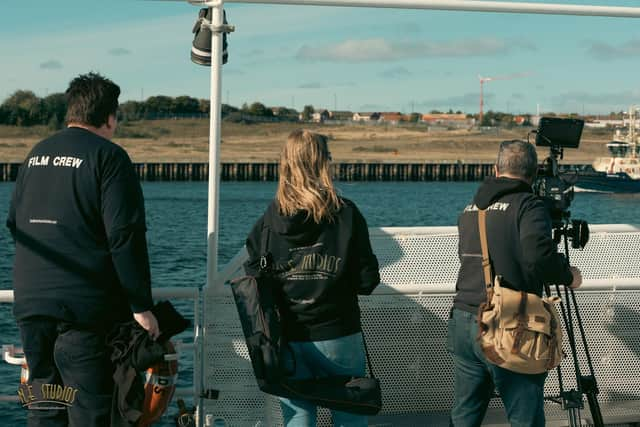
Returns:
(180,141)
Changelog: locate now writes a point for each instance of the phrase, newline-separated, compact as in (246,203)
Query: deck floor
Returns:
(619,414)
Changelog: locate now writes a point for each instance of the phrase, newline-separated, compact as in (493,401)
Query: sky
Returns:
(357,59)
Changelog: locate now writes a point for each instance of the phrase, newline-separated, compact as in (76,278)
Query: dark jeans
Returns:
(475,378)
(78,360)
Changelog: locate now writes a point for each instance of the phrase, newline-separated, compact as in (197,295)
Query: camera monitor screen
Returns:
(559,132)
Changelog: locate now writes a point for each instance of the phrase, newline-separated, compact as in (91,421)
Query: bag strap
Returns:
(366,352)
(486,260)
(486,266)
(266,261)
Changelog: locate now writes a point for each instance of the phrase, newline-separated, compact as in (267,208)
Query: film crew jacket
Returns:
(519,238)
(323,267)
(77,216)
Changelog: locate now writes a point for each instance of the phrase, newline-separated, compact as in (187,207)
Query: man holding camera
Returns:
(522,251)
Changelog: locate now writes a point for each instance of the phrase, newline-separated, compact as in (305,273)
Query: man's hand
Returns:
(148,321)
(577,278)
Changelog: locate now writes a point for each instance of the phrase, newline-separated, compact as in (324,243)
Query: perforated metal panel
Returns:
(405,324)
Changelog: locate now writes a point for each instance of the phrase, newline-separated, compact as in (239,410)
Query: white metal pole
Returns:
(470,6)
(214,143)
(214,184)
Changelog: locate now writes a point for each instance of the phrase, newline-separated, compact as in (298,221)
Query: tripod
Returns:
(586,384)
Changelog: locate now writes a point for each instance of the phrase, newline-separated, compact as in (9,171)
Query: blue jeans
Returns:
(340,356)
(475,378)
(77,360)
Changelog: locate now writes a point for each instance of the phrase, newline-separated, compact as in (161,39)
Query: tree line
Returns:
(25,108)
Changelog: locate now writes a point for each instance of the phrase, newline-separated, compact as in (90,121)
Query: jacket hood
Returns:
(494,188)
(296,228)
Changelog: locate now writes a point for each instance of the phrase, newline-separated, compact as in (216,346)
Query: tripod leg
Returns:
(574,418)
(591,390)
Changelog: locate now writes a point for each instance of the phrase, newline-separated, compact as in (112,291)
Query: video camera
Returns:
(554,188)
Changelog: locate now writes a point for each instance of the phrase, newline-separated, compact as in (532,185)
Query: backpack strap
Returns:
(486,260)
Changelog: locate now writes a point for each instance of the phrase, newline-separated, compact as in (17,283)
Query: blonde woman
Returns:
(320,242)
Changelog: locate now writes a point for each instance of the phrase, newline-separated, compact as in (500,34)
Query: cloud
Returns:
(119,51)
(311,85)
(371,50)
(517,96)
(605,51)
(51,64)
(346,84)
(395,73)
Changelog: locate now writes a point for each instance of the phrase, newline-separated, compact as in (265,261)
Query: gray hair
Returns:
(518,158)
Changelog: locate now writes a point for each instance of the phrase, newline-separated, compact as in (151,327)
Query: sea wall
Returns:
(345,171)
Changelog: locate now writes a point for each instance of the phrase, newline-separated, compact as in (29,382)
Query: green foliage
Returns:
(55,109)
(496,118)
(23,108)
(131,111)
(227,109)
(307,112)
(260,110)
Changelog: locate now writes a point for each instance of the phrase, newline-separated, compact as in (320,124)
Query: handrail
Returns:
(588,285)
(6,296)
(469,6)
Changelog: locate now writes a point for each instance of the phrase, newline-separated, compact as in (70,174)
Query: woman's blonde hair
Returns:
(305,178)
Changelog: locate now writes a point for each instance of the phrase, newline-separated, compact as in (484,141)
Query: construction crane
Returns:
(488,79)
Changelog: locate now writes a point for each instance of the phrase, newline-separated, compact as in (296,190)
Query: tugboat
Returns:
(619,173)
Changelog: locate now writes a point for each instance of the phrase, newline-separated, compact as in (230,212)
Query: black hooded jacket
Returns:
(519,238)
(322,268)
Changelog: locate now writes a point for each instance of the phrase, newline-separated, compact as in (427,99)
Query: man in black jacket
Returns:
(523,252)
(81,265)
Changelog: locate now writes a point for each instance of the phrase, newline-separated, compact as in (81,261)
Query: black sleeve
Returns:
(11,218)
(369,275)
(253,245)
(540,253)
(124,221)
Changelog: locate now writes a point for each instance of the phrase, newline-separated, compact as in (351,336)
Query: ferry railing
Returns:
(12,354)
(405,322)
(214,278)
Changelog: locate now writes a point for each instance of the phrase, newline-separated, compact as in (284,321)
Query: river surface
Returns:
(177,222)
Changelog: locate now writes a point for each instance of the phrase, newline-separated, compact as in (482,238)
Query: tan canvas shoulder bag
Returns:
(518,331)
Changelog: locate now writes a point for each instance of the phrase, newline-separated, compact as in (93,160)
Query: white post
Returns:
(214,142)
(214,185)
(470,6)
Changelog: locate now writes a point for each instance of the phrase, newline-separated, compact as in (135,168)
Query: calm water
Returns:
(177,221)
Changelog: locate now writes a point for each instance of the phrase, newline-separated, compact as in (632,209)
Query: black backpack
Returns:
(256,300)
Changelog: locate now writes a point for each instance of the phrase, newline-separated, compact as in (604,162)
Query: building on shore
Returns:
(366,117)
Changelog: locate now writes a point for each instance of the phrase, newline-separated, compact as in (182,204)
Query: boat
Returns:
(405,318)
(619,173)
